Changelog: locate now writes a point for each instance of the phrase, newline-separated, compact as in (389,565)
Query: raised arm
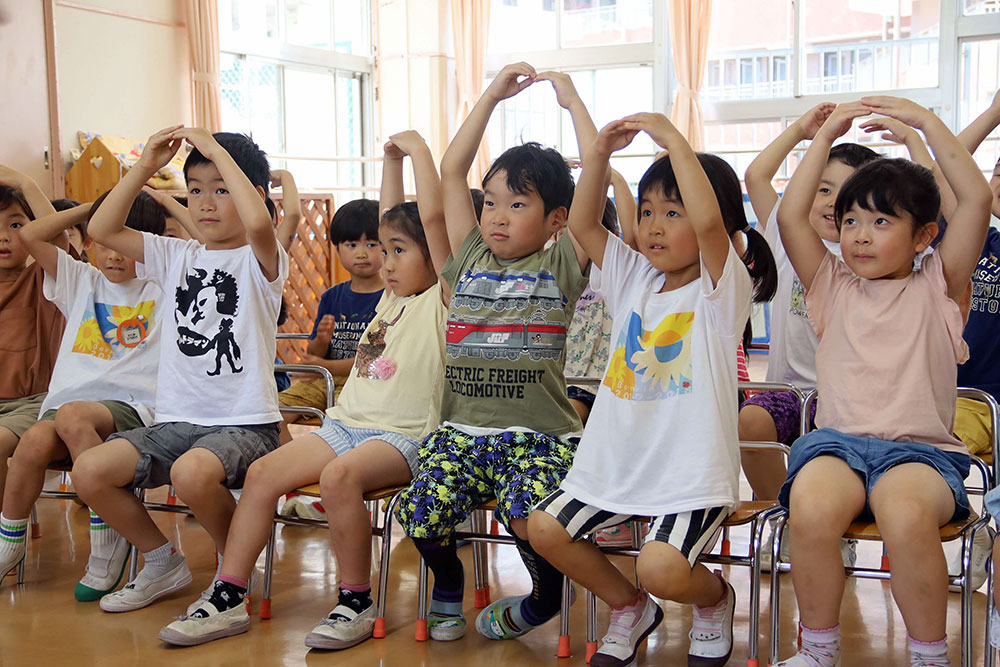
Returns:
(804,246)
(695,189)
(625,205)
(291,207)
(963,244)
(980,128)
(44,237)
(107,226)
(584,220)
(459,211)
(177,211)
(430,202)
(761,171)
(40,205)
(249,201)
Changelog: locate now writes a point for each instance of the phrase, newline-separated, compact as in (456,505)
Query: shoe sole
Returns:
(145,603)
(179,639)
(84,593)
(323,642)
(657,619)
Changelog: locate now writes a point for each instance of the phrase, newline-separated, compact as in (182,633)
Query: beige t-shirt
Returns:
(887,355)
(395,383)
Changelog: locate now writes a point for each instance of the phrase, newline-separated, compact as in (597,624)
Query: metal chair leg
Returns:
(421,633)
(756,539)
(133,563)
(773,630)
(265,594)
(480,561)
(563,650)
(382,598)
(989,653)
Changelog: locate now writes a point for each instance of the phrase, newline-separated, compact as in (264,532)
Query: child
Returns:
(346,309)
(104,379)
(32,325)
(774,415)
(680,305)
(369,440)
(889,341)
(216,401)
(506,418)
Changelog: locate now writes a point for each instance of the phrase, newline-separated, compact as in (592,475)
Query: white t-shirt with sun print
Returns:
(662,437)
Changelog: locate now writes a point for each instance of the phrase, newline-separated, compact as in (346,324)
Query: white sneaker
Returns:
(765,550)
(10,562)
(190,631)
(103,574)
(712,632)
(849,552)
(798,660)
(626,632)
(343,628)
(256,579)
(143,591)
(982,548)
(995,627)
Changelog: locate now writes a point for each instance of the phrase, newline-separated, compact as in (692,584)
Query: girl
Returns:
(889,341)
(368,441)
(680,305)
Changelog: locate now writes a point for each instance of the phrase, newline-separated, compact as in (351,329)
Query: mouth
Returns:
(829,219)
(5,253)
(656,247)
(863,257)
(114,268)
(208,221)
(392,281)
(499,237)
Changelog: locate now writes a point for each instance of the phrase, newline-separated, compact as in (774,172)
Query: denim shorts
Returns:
(343,439)
(871,458)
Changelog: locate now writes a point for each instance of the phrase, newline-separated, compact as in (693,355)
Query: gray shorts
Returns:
(162,444)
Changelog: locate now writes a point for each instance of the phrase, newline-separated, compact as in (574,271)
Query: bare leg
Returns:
(667,574)
(910,503)
(8,442)
(83,424)
(581,408)
(199,479)
(101,477)
(288,467)
(39,446)
(374,465)
(764,470)
(825,497)
(581,561)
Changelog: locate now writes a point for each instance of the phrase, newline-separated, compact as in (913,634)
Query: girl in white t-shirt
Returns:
(661,441)
(368,441)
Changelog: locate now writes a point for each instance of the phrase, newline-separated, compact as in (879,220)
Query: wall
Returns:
(119,75)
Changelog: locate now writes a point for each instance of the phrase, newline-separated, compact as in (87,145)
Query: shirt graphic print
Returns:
(652,364)
(107,331)
(206,309)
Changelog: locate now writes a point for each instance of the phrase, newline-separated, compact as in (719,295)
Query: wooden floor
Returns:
(43,625)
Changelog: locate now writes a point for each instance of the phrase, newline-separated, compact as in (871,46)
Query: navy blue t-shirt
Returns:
(353,310)
(982,332)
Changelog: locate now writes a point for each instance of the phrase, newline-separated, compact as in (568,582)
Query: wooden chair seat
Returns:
(312,490)
(867,530)
(748,511)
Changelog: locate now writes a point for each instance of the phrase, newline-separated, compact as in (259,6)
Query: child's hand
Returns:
(901,109)
(201,139)
(839,122)
(812,120)
(277,175)
(407,141)
(326,326)
(158,196)
(509,81)
(563,85)
(613,137)
(892,129)
(312,359)
(11,178)
(392,151)
(161,148)
(656,125)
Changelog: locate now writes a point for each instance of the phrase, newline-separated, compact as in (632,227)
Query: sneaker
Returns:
(343,628)
(982,548)
(103,574)
(620,536)
(446,628)
(765,551)
(849,552)
(496,620)
(311,509)
(143,591)
(798,660)
(995,627)
(9,564)
(627,630)
(190,631)
(256,579)
(712,632)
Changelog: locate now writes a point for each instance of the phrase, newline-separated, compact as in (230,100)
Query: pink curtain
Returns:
(470,24)
(203,36)
(689,23)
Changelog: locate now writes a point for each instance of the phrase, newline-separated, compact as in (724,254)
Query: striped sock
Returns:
(102,538)
(12,536)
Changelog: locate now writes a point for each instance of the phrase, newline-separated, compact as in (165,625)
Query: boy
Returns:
(507,419)
(32,326)
(216,401)
(103,381)
(346,308)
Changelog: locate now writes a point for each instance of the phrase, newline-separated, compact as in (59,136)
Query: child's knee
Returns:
(72,418)
(339,482)
(756,424)
(546,534)
(668,577)
(37,446)
(197,471)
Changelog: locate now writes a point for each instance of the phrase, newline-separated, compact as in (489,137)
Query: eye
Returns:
(221,191)
(384,253)
(517,204)
(673,214)
(824,191)
(881,222)
(646,213)
(487,202)
(373,245)
(847,222)
(398,251)
(16,225)
(194,191)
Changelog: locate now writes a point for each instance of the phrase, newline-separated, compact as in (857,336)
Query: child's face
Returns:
(116,267)
(212,208)
(835,174)
(514,224)
(12,254)
(666,236)
(175,230)
(995,187)
(361,258)
(406,269)
(876,245)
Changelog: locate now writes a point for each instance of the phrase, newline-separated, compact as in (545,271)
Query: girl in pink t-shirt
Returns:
(889,340)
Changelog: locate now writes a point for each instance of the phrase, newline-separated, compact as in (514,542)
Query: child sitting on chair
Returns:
(889,341)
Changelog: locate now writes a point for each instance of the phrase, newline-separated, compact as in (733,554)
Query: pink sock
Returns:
(235,581)
(357,588)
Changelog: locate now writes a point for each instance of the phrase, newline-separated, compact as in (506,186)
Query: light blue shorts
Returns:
(343,439)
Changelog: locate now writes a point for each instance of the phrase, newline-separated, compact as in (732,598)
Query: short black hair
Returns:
(11,196)
(529,167)
(406,218)
(247,155)
(64,204)
(356,218)
(853,155)
(891,186)
(477,201)
(610,218)
(145,215)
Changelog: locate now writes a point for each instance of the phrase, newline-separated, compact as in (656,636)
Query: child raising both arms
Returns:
(889,341)
(668,400)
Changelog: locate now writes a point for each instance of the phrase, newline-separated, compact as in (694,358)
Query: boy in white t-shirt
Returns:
(103,380)
(216,400)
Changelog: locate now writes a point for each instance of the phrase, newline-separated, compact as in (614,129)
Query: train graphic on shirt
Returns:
(510,290)
(498,340)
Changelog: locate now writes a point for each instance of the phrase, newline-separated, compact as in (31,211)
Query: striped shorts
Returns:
(692,533)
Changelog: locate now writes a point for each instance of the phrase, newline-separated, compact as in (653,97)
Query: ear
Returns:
(260,191)
(556,219)
(924,236)
(88,243)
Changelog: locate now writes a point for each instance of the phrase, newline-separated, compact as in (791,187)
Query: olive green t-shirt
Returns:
(505,345)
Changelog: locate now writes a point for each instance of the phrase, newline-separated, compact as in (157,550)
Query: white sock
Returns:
(928,654)
(13,534)
(102,538)
(160,560)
